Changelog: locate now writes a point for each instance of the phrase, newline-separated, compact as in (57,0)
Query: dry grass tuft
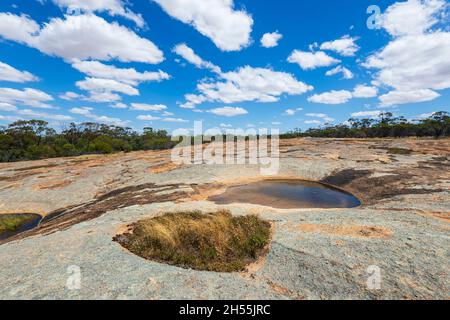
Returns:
(400,151)
(12,223)
(208,242)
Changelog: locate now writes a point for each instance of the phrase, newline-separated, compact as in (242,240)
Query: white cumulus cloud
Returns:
(11,74)
(17,28)
(27,113)
(371,114)
(401,97)
(99,86)
(189,55)
(229,111)
(130,76)
(67,38)
(43,115)
(28,97)
(87,112)
(175,120)
(106,81)
(415,63)
(113,7)
(344,96)
(218,20)
(313,122)
(346,73)
(412,17)
(270,40)
(363,91)
(323,116)
(311,60)
(7,107)
(119,105)
(148,118)
(148,107)
(344,46)
(332,97)
(292,112)
(153,118)
(247,84)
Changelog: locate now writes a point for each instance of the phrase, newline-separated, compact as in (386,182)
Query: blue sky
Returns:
(167,63)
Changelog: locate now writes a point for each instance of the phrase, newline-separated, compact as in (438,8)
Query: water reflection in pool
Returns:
(287,194)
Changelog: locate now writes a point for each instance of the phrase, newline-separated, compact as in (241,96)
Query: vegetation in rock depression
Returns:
(212,242)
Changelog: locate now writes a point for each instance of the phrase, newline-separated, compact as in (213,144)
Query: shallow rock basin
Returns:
(287,194)
(12,224)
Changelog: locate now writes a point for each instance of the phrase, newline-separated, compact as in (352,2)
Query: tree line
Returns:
(386,126)
(34,139)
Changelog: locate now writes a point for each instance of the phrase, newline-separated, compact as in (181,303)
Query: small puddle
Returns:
(287,194)
(13,224)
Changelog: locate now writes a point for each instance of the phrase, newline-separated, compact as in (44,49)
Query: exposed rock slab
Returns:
(402,227)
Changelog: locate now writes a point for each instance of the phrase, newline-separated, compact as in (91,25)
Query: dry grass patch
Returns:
(13,222)
(400,151)
(208,242)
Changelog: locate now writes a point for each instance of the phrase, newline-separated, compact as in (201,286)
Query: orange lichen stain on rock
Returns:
(347,231)
(165,167)
(203,192)
(339,243)
(284,291)
(24,210)
(53,185)
(124,229)
(16,185)
(444,216)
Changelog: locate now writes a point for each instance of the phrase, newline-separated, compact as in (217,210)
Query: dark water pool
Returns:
(25,222)
(288,194)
